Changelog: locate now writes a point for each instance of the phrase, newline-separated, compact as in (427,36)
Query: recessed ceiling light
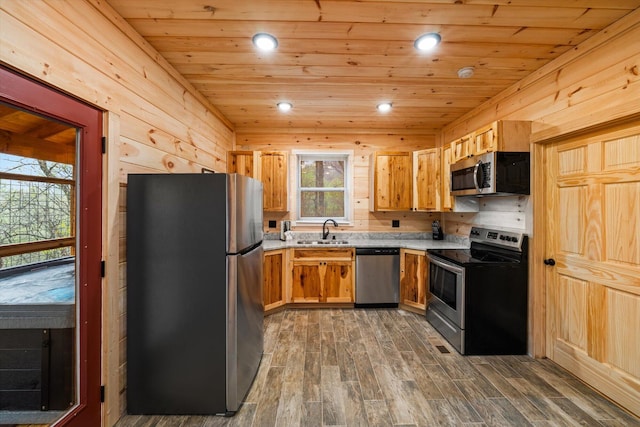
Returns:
(466,72)
(284,106)
(265,42)
(427,41)
(384,107)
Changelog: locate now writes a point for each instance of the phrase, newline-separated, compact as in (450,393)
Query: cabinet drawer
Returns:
(332,253)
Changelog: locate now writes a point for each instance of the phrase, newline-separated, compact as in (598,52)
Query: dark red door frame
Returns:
(32,96)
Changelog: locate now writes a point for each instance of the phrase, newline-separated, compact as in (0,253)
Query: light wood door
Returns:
(413,279)
(338,281)
(306,281)
(273,174)
(593,236)
(273,294)
(460,148)
(446,198)
(392,181)
(426,182)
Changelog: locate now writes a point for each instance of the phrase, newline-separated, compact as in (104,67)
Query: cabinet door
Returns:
(273,174)
(306,283)
(426,183)
(460,148)
(447,199)
(413,279)
(485,139)
(338,281)
(392,181)
(273,294)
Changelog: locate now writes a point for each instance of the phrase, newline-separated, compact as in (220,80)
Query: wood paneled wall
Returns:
(362,144)
(156,123)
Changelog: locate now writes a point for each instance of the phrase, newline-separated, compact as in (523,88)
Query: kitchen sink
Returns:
(323,242)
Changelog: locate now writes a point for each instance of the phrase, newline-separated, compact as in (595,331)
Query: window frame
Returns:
(324,155)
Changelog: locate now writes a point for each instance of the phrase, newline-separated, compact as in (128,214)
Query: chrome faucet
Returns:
(325,229)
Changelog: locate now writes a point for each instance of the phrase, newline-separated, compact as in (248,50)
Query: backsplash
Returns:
(500,212)
(369,236)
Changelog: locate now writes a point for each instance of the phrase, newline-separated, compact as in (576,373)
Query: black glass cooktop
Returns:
(474,256)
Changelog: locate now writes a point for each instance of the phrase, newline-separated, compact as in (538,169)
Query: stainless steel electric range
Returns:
(478,296)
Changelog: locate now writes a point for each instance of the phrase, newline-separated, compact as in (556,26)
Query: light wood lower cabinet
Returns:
(414,290)
(322,275)
(273,292)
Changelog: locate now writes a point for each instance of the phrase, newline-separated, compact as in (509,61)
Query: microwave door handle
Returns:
(475,175)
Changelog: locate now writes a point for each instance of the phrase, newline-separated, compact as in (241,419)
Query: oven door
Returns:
(446,284)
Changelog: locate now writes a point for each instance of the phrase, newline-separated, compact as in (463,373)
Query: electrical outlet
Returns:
(272,224)
(395,223)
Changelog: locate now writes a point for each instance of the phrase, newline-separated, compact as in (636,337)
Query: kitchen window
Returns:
(324,186)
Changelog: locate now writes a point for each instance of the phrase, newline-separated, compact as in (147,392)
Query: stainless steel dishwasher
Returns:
(377,277)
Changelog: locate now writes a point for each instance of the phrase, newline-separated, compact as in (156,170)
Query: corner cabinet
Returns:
(322,275)
(426,180)
(270,167)
(414,291)
(273,279)
(391,181)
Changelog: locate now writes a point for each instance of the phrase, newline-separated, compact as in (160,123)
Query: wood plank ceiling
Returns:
(337,59)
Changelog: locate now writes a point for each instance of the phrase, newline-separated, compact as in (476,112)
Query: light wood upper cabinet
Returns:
(322,275)
(273,278)
(460,147)
(501,135)
(426,180)
(270,167)
(391,181)
(274,174)
(447,199)
(242,162)
(414,291)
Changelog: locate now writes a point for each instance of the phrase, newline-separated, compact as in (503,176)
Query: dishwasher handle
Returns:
(377,251)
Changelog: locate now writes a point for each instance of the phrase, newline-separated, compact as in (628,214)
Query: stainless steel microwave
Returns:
(498,173)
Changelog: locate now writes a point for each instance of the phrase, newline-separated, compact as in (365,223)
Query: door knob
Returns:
(550,262)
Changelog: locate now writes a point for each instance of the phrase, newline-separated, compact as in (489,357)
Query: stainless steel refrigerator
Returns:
(194,292)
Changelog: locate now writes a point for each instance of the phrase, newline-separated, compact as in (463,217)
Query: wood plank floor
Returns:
(386,367)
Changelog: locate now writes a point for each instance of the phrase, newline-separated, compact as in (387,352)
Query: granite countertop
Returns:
(417,241)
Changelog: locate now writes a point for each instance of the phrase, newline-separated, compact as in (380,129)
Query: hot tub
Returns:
(37,321)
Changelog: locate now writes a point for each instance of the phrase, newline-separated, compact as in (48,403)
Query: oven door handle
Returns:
(446,265)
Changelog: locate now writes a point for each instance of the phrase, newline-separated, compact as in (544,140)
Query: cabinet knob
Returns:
(551,262)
